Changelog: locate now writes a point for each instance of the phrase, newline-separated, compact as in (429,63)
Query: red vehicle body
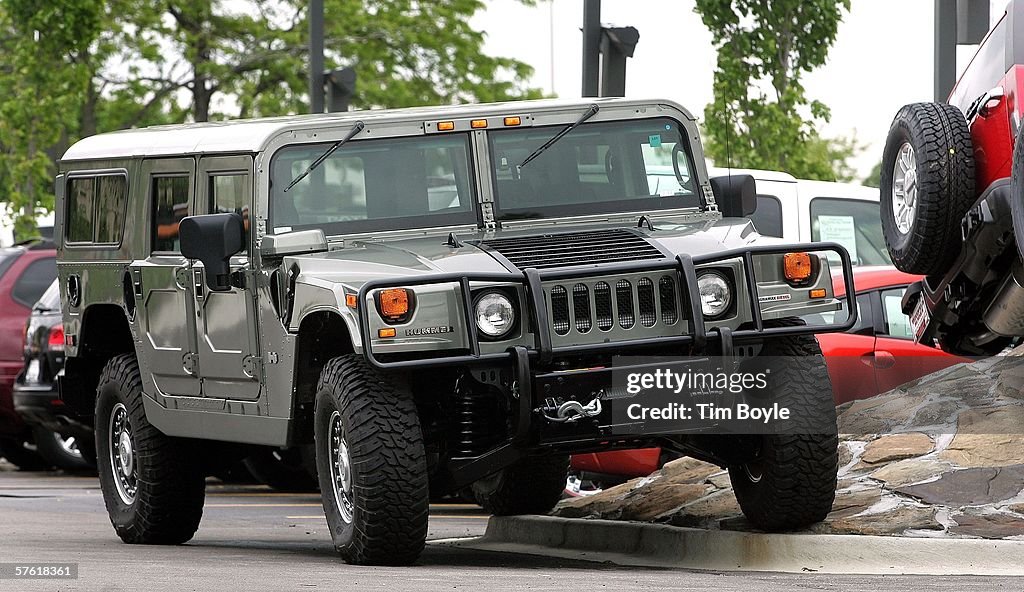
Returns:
(877,355)
(990,92)
(25,273)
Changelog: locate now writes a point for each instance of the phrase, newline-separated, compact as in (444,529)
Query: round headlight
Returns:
(715,294)
(495,315)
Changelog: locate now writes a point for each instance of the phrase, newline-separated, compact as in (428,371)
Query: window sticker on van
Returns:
(839,229)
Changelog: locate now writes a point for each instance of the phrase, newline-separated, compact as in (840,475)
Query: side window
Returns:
(111,193)
(854,224)
(228,194)
(34,280)
(897,324)
(170,205)
(767,216)
(80,195)
(95,207)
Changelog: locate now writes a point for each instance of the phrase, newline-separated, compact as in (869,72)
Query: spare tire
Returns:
(927,185)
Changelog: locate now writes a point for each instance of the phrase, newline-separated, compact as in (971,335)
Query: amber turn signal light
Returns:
(385,333)
(445,126)
(513,120)
(394,304)
(351,300)
(796,267)
(478,123)
(818,293)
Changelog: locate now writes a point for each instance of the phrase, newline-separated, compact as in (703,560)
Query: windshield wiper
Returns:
(358,127)
(592,111)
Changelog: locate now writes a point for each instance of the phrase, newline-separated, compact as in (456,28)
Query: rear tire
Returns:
(791,481)
(371,464)
(152,486)
(927,185)
(1017,192)
(530,486)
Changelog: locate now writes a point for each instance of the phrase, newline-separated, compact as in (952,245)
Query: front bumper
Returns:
(696,337)
(535,380)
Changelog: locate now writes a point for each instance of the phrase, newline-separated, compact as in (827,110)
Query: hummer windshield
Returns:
(599,168)
(372,185)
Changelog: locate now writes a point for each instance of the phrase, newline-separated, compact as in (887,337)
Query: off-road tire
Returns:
(18,454)
(941,140)
(283,469)
(796,470)
(168,504)
(1017,192)
(389,494)
(531,486)
(51,449)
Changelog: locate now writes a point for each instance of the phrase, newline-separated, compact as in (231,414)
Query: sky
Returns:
(882,58)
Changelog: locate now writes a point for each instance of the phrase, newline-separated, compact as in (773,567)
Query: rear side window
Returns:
(95,209)
(34,281)
(170,205)
(767,216)
(854,224)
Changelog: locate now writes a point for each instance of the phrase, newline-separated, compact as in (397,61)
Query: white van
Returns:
(799,210)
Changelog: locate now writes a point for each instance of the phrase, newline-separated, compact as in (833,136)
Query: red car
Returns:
(877,355)
(25,273)
(950,200)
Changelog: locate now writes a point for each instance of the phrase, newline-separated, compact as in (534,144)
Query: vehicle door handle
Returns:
(883,359)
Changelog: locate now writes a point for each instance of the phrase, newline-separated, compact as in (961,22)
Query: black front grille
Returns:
(574,248)
(643,304)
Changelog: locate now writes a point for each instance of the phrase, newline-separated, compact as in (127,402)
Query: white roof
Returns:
(252,135)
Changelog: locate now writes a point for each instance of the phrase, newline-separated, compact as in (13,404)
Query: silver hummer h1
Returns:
(431,297)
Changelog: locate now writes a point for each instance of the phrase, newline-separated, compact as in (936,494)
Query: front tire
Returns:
(530,486)
(152,490)
(371,464)
(790,482)
(927,185)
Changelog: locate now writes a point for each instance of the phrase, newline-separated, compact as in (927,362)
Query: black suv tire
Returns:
(53,447)
(791,482)
(17,453)
(371,464)
(531,486)
(169,489)
(939,144)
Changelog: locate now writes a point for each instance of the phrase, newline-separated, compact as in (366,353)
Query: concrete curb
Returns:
(656,545)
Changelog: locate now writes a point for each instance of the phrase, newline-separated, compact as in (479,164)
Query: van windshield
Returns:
(598,168)
(373,185)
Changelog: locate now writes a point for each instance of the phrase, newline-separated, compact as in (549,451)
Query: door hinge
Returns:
(253,365)
(190,362)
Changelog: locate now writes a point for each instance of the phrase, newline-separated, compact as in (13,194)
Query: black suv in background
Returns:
(26,271)
(59,437)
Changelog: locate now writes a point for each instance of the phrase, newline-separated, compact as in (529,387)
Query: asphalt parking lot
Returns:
(254,539)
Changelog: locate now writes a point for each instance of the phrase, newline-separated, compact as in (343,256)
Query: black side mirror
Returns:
(736,195)
(213,239)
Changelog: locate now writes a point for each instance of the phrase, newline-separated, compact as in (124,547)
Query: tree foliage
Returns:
(761,117)
(73,68)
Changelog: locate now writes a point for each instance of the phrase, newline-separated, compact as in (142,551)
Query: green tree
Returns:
(874,178)
(250,59)
(42,83)
(761,117)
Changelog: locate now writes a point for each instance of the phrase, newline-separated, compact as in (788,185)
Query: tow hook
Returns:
(570,411)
